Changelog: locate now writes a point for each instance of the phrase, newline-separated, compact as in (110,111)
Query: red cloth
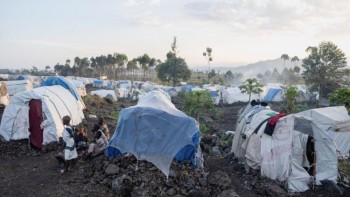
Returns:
(35,120)
(274,119)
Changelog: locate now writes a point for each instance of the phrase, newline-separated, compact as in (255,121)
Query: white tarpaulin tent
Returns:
(80,87)
(57,102)
(233,94)
(18,86)
(272,92)
(105,94)
(283,156)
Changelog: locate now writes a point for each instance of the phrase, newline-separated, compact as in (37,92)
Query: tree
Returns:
(132,66)
(341,96)
(284,57)
(251,86)
(323,67)
(291,95)
(296,69)
(174,68)
(207,54)
(144,62)
(121,60)
(47,68)
(197,101)
(295,59)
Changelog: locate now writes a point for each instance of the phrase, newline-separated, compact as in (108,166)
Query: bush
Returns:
(196,102)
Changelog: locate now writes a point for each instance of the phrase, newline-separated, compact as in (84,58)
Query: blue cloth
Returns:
(213,93)
(51,81)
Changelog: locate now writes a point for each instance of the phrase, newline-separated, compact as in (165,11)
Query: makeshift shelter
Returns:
(14,87)
(123,93)
(232,95)
(124,84)
(273,92)
(64,82)
(105,94)
(80,86)
(155,131)
(302,145)
(67,84)
(37,114)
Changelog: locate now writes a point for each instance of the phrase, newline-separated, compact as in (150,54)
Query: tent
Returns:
(64,82)
(18,86)
(37,114)
(105,94)
(67,84)
(302,145)
(273,92)
(155,131)
(232,95)
(80,86)
(124,84)
(4,97)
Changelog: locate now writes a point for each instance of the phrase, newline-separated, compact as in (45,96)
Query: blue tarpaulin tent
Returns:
(64,82)
(271,94)
(155,131)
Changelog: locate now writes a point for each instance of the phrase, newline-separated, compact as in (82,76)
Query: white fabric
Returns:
(105,93)
(122,92)
(57,102)
(69,140)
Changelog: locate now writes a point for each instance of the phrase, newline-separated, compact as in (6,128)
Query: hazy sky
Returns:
(42,32)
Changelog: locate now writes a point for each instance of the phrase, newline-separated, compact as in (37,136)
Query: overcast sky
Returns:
(42,32)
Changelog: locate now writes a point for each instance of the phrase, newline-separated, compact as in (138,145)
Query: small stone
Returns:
(171,192)
(216,151)
(228,193)
(112,169)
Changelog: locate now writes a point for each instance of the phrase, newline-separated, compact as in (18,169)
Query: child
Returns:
(70,152)
(102,126)
(99,144)
(81,139)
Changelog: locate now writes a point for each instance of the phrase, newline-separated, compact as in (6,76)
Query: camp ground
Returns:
(303,148)
(37,115)
(155,131)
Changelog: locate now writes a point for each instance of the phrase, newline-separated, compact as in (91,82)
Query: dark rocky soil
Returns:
(24,172)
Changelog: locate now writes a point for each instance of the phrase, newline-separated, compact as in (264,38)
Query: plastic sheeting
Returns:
(80,86)
(234,94)
(154,130)
(64,82)
(105,93)
(18,86)
(274,94)
(57,102)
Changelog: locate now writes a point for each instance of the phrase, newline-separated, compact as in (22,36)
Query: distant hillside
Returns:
(251,70)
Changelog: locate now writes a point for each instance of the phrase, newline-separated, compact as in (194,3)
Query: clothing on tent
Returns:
(270,126)
(253,112)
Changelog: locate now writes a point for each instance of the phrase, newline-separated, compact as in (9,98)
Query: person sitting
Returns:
(101,125)
(81,139)
(98,145)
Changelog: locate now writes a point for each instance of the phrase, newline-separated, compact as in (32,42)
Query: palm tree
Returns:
(284,57)
(251,86)
(295,59)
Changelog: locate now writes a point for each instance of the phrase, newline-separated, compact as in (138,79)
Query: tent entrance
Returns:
(35,120)
(311,155)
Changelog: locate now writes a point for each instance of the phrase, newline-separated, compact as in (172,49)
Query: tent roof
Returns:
(64,82)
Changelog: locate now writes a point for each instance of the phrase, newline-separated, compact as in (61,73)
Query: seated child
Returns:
(81,139)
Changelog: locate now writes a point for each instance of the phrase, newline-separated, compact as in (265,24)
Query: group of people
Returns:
(76,140)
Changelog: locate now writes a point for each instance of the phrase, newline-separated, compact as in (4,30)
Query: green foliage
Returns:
(251,86)
(203,128)
(196,102)
(323,66)
(174,69)
(300,108)
(341,97)
(115,115)
(291,94)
